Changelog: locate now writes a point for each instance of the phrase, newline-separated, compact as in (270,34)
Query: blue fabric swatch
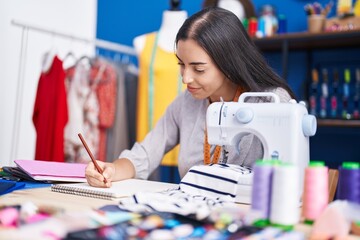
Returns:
(7,186)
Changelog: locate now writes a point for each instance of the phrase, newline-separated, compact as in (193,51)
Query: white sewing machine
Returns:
(283,128)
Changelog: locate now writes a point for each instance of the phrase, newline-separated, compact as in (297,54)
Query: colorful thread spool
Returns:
(261,190)
(284,211)
(245,23)
(253,26)
(282,24)
(261,28)
(349,182)
(316,190)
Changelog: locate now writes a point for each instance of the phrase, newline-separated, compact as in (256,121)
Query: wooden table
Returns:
(44,196)
(77,206)
(72,204)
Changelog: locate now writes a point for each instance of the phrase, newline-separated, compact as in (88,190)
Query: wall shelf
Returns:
(307,41)
(338,123)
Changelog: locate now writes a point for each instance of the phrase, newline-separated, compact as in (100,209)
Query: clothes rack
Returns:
(96,42)
(22,63)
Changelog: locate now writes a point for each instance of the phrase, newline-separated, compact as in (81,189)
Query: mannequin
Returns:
(159,74)
(241,8)
(233,5)
(171,22)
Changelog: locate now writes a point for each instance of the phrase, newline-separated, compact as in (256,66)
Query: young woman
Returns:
(217,60)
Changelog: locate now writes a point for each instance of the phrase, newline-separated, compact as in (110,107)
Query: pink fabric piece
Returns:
(9,217)
(331,223)
(37,217)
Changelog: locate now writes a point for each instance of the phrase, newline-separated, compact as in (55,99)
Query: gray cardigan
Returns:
(184,123)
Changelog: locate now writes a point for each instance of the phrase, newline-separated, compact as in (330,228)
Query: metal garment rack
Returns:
(22,63)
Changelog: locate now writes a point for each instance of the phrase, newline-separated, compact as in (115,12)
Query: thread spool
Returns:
(245,23)
(253,26)
(284,211)
(261,189)
(349,182)
(261,28)
(316,191)
(282,24)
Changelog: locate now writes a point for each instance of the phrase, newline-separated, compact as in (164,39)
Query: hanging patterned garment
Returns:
(50,113)
(106,92)
(159,84)
(83,115)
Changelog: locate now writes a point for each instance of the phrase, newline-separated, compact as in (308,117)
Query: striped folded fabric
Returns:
(215,180)
(175,201)
(202,190)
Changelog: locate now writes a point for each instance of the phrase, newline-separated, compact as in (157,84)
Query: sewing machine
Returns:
(283,128)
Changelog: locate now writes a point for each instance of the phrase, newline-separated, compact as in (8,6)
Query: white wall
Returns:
(74,17)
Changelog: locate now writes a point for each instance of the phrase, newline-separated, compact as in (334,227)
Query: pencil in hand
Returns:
(98,168)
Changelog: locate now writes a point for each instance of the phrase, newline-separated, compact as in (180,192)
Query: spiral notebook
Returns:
(124,188)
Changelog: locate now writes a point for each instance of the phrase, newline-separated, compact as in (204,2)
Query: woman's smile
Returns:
(193,89)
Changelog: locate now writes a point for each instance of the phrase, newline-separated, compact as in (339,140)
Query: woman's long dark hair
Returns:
(221,34)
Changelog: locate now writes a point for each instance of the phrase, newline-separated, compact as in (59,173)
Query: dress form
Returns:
(234,6)
(159,81)
(241,8)
(171,23)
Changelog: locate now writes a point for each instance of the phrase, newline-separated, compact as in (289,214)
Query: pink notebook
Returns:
(53,171)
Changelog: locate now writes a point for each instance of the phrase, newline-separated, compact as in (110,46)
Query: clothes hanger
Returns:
(69,60)
(85,60)
(125,59)
(131,67)
(48,59)
(117,58)
(89,59)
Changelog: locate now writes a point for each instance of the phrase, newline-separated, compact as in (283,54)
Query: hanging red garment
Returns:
(50,114)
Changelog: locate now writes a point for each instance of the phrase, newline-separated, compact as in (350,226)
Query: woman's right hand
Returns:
(95,179)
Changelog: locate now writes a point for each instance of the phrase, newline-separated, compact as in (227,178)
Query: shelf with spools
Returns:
(311,41)
(307,41)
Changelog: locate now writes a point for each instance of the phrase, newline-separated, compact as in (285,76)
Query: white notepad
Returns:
(124,188)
